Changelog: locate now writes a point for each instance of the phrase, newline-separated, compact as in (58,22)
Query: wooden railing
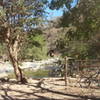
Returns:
(89,70)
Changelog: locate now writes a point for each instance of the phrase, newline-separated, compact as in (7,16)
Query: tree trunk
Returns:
(13,53)
(17,70)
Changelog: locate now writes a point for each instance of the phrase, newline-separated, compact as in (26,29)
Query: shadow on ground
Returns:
(35,93)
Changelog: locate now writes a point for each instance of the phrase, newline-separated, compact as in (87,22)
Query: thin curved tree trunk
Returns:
(13,53)
(17,70)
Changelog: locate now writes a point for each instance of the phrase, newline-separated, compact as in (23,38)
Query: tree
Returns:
(57,4)
(83,22)
(18,18)
(85,17)
(35,46)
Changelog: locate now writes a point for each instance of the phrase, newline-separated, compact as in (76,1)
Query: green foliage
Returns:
(21,17)
(79,40)
(32,74)
(35,47)
(76,49)
(3,50)
(85,17)
(37,74)
(11,76)
(57,4)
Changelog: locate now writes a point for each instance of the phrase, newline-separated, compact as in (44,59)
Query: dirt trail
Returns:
(44,89)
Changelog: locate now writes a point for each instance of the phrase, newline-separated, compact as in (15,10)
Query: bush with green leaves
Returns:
(35,47)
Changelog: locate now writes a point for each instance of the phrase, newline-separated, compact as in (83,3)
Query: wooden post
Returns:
(78,67)
(66,68)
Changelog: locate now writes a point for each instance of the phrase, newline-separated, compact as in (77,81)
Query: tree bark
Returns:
(17,69)
(66,68)
(13,54)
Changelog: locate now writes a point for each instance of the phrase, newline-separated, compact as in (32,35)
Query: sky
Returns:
(56,13)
